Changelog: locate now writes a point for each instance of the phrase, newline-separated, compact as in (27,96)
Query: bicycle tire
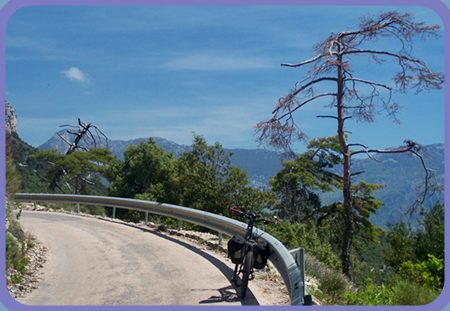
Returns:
(246,270)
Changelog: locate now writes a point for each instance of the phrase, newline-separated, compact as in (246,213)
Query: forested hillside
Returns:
(400,174)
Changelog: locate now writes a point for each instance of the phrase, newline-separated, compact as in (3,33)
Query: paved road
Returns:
(97,262)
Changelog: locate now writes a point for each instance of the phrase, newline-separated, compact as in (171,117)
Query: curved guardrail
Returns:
(281,257)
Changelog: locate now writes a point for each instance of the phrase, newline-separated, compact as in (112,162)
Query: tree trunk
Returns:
(347,202)
(348,218)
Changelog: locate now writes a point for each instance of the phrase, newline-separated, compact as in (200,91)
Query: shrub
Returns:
(371,294)
(16,278)
(429,272)
(400,292)
(16,230)
(15,253)
(410,293)
(333,284)
(295,235)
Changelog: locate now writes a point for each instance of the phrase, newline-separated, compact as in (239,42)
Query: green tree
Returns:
(206,179)
(408,245)
(401,247)
(81,169)
(147,172)
(430,238)
(298,181)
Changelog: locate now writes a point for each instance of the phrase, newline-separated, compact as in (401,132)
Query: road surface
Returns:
(97,262)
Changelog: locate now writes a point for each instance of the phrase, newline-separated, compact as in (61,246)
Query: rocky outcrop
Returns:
(11,118)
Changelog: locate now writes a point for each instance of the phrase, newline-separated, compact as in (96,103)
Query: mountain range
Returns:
(259,164)
(401,173)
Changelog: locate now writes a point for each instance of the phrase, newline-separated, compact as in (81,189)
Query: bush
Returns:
(371,294)
(16,278)
(410,293)
(16,230)
(429,272)
(15,254)
(400,292)
(333,284)
(17,243)
(295,235)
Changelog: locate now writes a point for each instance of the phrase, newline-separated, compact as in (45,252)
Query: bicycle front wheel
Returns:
(246,270)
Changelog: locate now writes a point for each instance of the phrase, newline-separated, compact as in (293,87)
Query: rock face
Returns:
(11,118)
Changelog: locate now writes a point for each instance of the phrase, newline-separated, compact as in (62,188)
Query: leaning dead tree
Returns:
(84,135)
(332,75)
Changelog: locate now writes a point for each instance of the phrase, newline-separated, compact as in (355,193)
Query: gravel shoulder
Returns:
(155,268)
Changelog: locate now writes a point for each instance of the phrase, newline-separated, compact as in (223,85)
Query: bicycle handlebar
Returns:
(251,214)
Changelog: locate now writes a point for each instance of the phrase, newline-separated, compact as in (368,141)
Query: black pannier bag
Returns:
(261,254)
(236,249)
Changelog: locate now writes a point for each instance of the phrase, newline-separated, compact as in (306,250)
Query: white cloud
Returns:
(212,61)
(75,74)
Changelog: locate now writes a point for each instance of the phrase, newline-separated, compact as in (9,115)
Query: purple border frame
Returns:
(8,10)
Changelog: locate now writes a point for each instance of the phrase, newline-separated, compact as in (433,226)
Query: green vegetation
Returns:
(17,242)
(30,172)
(201,178)
(82,169)
(294,234)
(399,266)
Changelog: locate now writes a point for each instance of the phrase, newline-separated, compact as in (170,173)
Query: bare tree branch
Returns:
(65,140)
(369,82)
(399,56)
(299,105)
(87,181)
(413,148)
(305,62)
(408,148)
(356,173)
(286,100)
(322,116)
(360,145)
(83,134)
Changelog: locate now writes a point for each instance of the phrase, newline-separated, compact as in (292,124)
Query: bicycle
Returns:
(247,252)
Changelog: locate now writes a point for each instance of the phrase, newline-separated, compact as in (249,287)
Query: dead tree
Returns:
(332,68)
(85,135)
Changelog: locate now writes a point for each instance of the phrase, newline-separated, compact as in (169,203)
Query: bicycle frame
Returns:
(246,267)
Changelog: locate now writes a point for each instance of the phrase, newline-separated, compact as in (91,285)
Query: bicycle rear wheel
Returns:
(245,274)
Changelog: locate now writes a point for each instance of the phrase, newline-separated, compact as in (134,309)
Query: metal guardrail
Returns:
(299,256)
(281,257)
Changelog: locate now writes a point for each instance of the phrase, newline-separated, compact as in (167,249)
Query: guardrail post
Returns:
(299,257)
(180,225)
(78,208)
(301,266)
(146,218)
(114,213)
(220,238)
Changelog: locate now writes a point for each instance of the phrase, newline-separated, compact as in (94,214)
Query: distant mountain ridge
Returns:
(400,173)
(260,164)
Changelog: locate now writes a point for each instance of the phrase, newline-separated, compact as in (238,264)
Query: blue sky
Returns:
(171,71)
